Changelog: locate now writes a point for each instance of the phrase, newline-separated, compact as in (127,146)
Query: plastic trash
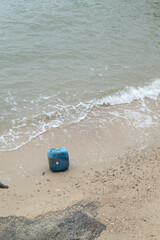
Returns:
(58,159)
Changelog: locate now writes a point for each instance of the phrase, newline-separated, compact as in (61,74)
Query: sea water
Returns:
(62,60)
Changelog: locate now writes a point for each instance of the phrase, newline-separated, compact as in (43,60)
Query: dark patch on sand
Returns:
(75,223)
(3,185)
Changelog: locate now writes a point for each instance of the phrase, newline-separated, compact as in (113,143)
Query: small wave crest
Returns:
(129,94)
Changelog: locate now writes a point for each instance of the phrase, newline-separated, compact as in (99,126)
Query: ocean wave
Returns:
(129,94)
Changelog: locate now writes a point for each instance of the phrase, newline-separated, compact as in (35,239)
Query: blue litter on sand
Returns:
(58,159)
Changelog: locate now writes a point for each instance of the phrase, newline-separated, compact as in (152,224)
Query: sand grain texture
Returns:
(127,191)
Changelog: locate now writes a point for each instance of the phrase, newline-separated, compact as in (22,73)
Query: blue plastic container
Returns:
(58,159)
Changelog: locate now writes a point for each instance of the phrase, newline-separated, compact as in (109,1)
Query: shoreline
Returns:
(140,115)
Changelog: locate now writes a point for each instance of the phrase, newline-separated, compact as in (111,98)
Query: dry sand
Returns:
(127,188)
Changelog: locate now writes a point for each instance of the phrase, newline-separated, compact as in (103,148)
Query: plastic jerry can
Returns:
(58,159)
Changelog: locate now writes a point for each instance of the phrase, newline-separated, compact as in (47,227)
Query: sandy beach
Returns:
(85,76)
(126,187)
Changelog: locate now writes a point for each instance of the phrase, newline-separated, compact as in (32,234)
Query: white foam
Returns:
(92,68)
(129,94)
(10,99)
(64,114)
